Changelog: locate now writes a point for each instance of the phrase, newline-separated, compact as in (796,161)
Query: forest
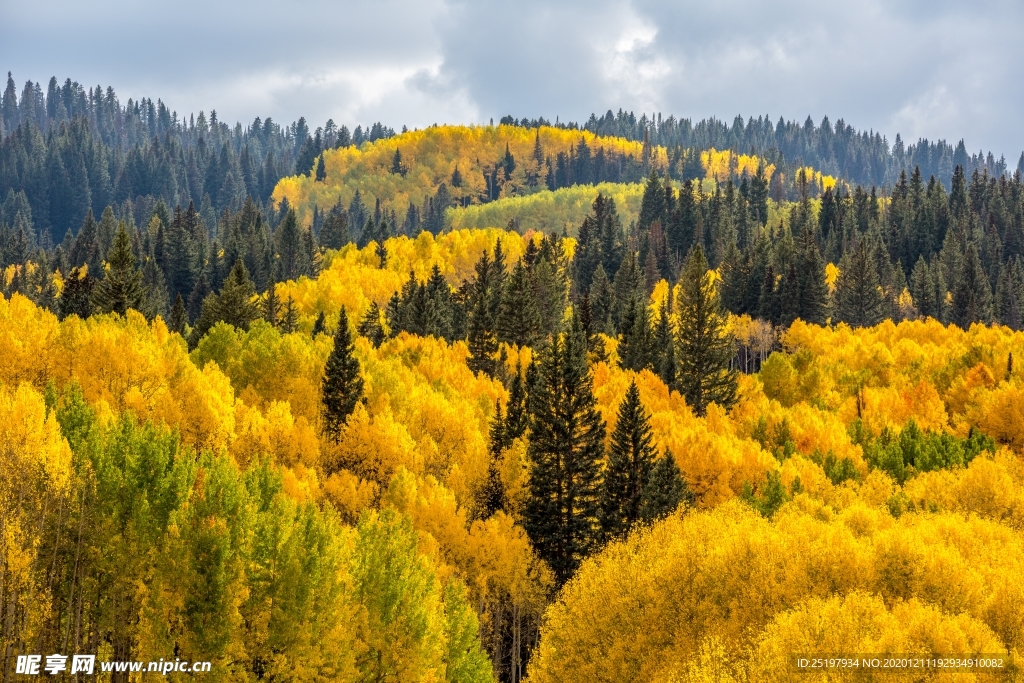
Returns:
(629,400)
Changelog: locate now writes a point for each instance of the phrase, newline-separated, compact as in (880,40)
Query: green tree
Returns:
(235,304)
(76,297)
(630,460)
(666,489)
(705,347)
(518,316)
(178,316)
(370,326)
(972,295)
(859,298)
(121,287)
(566,450)
(342,387)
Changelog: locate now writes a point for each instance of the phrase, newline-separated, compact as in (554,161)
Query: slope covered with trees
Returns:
(659,431)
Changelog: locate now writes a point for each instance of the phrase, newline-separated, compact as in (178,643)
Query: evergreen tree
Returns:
(334,234)
(156,303)
(482,341)
(566,449)
(121,287)
(630,459)
(289,317)
(517,416)
(859,299)
(665,347)
(76,297)
(321,170)
(518,316)
(705,346)
(813,302)
(271,305)
(972,295)
(923,289)
(178,318)
(288,242)
(666,489)
(342,386)
(636,342)
(492,497)
(370,326)
(235,304)
(319,325)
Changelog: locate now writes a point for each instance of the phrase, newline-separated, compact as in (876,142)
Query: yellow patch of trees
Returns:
(430,157)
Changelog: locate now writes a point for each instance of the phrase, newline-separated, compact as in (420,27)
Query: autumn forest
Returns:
(632,399)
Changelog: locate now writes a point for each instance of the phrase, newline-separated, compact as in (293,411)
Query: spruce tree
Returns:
(319,325)
(482,341)
(121,287)
(289,317)
(271,305)
(630,459)
(665,347)
(492,496)
(178,318)
(517,417)
(76,297)
(321,170)
(342,386)
(705,347)
(235,304)
(666,489)
(636,343)
(566,450)
(972,296)
(813,306)
(518,316)
(859,299)
(370,326)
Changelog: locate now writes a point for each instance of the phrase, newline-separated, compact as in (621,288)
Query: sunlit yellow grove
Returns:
(431,156)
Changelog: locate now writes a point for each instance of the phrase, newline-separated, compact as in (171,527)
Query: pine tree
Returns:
(235,304)
(630,459)
(178,318)
(271,305)
(370,326)
(666,489)
(76,297)
(705,346)
(289,317)
(492,497)
(319,325)
(482,341)
(566,449)
(342,387)
(636,343)
(972,296)
(858,294)
(321,170)
(121,287)
(665,347)
(288,242)
(813,303)
(517,416)
(518,316)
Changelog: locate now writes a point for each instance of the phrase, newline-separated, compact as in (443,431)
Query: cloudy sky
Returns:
(935,69)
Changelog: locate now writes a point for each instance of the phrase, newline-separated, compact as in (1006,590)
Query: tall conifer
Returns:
(566,449)
(342,386)
(705,346)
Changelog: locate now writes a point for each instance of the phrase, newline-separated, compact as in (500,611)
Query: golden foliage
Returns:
(431,156)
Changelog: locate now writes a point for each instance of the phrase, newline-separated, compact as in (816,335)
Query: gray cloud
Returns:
(932,69)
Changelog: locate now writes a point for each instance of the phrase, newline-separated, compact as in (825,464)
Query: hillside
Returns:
(853,457)
(430,157)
